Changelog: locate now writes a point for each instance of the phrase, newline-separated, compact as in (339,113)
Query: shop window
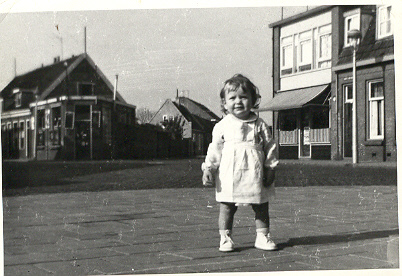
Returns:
(41,118)
(22,136)
(376,110)
(384,22)
(55,128)
(96,119)
(107,128)
(82,112)
(69,123)
(288,127)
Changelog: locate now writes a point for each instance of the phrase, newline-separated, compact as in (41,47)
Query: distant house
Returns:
(197,122)
(67,110)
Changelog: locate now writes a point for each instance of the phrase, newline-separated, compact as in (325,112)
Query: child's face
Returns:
(238,103)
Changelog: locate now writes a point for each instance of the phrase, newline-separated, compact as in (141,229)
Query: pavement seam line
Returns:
(177,255)
(207,263)
(373,259)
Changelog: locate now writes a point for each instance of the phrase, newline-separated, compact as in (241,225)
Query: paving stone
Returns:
(176,231)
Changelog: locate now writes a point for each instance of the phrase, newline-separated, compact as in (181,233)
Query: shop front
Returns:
(301,122)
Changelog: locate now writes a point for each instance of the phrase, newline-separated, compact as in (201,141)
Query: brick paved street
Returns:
(105,221)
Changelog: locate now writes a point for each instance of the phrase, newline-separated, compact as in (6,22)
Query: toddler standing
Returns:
(240,161)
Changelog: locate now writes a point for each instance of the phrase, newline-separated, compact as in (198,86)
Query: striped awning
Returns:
(296,98)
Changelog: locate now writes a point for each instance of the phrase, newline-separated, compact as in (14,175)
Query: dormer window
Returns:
(352,22)
(17,97)
(384,22)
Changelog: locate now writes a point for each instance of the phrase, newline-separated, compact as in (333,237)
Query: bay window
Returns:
(376,109)
(307,50)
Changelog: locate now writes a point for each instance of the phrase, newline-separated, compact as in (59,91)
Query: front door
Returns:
(82,140)
(347,121)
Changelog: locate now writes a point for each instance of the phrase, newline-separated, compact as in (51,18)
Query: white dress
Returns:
(237,155)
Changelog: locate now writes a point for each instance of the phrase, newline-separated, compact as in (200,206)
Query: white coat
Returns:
(237,155)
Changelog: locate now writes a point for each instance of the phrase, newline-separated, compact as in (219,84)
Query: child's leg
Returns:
(261,215)
(226,215)
(263,240)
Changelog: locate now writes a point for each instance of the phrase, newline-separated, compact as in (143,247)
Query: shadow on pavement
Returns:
(341,238)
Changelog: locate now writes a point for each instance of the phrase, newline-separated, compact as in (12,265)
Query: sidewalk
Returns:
(175,231)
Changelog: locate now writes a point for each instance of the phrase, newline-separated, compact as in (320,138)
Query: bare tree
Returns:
(174,127)
(144,115)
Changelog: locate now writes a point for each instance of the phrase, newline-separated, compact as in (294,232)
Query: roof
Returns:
(43,80)
(296,98)
(370,47)
(199,115)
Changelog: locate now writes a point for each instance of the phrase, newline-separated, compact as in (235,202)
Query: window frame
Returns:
(345,89)
(282,55)
(379,22)
(354,15)
(301,41)
(370,100)
(18,99)
(21,135)
(324,33)
(79,88)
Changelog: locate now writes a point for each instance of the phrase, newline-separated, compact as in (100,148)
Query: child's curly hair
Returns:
(236,82)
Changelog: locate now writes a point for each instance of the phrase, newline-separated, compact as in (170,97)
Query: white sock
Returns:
(262,231)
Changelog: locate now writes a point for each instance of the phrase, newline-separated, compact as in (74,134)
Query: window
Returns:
(351,22)
(287,125)
(55,128)
(348,90)
(165,118)
(96,119)
(69,123)
(22,136)
(306,51)
(41,118)
(376,109)
(85,89)
(324,47)
(384,24)
(18,99)
(287,55)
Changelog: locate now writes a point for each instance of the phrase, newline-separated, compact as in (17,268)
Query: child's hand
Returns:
(269,177)
(207,178)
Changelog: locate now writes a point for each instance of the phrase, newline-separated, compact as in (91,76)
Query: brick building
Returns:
(312,78)
(67,110)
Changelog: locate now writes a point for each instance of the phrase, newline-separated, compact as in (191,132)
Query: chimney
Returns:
(115,88)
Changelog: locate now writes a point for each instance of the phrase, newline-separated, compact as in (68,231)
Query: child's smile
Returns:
(238,103)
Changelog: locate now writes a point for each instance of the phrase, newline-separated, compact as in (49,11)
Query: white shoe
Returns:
(264,242)
(226,243)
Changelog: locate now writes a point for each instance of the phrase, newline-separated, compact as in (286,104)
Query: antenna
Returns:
(85,39)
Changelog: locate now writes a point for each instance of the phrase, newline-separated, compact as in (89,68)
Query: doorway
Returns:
(347,120)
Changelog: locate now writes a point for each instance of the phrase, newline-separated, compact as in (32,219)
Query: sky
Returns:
(154,51)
